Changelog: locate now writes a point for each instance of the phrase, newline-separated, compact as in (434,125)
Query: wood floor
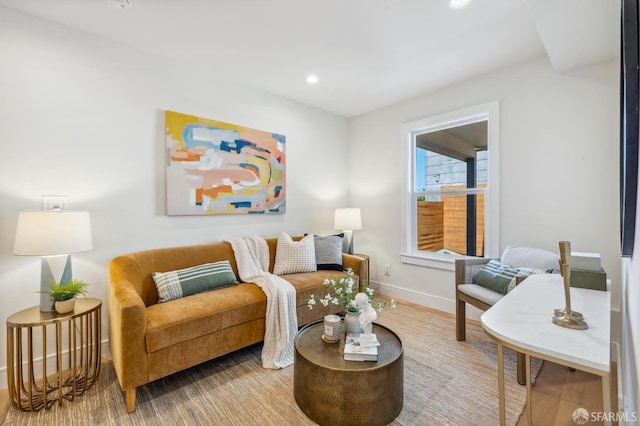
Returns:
(559,391)
(556,394)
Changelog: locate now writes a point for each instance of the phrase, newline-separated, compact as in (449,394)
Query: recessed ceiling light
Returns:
(458,4)
(120,4)
(312,79)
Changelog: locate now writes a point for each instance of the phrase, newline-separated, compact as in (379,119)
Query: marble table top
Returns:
(522,320)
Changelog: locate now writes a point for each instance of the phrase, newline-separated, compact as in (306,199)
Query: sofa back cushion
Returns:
(138,267)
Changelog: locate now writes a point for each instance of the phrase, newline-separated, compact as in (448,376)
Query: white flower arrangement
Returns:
(343,291)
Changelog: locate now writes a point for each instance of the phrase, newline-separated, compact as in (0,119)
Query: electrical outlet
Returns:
(51,202)
(387,270)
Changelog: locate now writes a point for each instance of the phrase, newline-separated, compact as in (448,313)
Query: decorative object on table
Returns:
(54,235)
(567,317)
(216,168)
(593,280)
(348,220)
(342,291)
(64,295)
(352,322)
(332,328)
(355,350)
(367,316)
(585,261)
(587,272)
(565,252)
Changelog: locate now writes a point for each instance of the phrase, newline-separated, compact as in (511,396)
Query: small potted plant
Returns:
(64,295)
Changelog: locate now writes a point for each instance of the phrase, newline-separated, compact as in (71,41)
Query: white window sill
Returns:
(431,260)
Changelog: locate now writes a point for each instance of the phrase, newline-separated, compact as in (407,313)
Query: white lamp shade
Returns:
(348,219)
(49,232)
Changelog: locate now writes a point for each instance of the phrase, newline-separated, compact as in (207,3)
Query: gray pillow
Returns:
(329,252)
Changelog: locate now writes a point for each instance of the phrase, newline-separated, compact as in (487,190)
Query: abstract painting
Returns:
(221,168)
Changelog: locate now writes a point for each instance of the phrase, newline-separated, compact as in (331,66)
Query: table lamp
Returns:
(348,220)
(54,235)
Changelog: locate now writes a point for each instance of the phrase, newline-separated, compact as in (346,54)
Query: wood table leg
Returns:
(606,396)
(527,361)
(503,420)
(520,368)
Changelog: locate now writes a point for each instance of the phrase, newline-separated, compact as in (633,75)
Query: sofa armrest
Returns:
(357,264)
(466,267)
(520,278)
(127,330)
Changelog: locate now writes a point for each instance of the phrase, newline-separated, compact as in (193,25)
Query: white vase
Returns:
(65,306)
(352,322)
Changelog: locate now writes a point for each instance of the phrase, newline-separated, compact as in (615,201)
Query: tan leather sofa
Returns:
(150,340)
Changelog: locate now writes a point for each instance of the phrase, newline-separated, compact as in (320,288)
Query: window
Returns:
(451,203)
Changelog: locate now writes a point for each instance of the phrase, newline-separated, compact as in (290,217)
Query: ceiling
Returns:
(460,142)
(367,53)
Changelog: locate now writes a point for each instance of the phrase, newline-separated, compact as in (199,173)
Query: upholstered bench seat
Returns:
(481,293)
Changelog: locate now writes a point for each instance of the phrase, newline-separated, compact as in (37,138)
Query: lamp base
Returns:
(48,265)
(348,236)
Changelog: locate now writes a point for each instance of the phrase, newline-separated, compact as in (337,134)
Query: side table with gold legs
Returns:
(80,328)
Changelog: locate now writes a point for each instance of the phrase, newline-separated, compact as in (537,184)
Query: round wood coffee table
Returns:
(332,391)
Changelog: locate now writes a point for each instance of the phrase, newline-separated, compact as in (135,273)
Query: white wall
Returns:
(559,159)
(630,339)
(629,335)
(83,117)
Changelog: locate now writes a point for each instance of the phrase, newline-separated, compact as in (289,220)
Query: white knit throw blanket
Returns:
(252,258)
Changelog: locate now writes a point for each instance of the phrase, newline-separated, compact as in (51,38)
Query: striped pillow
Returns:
(184,282)
(501,278)
(293,257)
(496,276)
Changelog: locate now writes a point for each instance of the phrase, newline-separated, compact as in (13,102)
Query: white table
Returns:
(522,321)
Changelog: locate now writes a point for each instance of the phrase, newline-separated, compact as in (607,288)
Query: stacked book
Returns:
(357,348)
(587,272)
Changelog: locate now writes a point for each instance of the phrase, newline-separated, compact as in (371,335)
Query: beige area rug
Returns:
(446,382)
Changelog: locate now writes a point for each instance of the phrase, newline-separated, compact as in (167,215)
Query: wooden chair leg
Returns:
(461,320)
(130,396)
(521,368)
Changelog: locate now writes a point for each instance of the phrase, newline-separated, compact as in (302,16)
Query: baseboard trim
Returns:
(425,299)
(105,352)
